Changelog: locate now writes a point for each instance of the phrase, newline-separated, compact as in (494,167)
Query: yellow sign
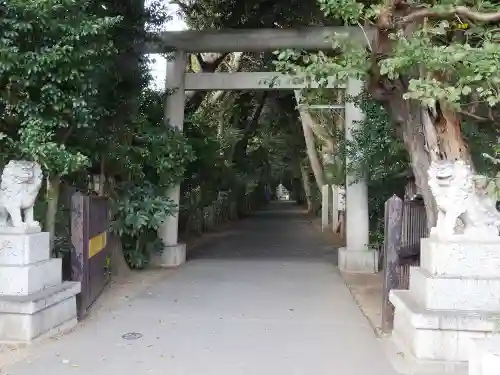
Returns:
(97,244)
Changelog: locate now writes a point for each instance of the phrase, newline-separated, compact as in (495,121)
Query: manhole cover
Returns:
(132,336)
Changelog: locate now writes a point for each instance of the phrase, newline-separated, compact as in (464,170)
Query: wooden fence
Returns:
(405,225)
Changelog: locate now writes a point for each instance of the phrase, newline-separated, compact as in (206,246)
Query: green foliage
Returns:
(138,213)
(208,167)
(73,99)
(427,59)
(156,158)
(216,14)
(51,53)
(465,55)
(156,153)
(470,63)
(375,148)
(377,154)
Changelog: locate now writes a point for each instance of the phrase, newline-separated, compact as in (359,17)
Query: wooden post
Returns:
(392,245)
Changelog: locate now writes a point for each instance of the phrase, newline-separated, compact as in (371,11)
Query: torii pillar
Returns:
(174,253)
(356,256)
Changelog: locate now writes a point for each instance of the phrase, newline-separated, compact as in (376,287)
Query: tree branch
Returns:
(473,116)
(459,11)
(180,4)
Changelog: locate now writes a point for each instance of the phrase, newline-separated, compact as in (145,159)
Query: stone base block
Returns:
(461,258)
(445,335)
(171,256)
(454,293)
(405,363)
(28,279)
(485,357)
(25,318)
(20,250)
(20,230)
(358,261)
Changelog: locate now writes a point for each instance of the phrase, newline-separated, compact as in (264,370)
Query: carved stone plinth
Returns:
(454,298)
(34,301)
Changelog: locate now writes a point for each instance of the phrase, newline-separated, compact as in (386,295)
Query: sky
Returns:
(158,66)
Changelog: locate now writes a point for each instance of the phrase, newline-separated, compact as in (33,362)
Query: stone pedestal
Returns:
(454,298)
(485,357)
(358,261)
(33,299)
(170,257)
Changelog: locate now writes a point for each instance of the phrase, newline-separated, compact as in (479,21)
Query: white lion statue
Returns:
(460,195)
(21,181)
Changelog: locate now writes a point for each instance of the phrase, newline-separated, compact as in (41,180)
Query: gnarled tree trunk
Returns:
(452,145)
(428,133)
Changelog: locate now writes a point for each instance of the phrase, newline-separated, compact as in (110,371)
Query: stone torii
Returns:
(355,256)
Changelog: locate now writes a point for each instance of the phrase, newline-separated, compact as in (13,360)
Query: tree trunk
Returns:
(307,187)
(102,176)
(312,153)
(208,64)
(428,133)
(409,118)
(240,148)
(414,140)
(119,266)
(53,189)
(452,146)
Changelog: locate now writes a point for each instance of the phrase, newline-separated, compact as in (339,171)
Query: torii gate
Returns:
(356,256)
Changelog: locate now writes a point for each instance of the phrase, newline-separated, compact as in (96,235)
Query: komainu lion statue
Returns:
(460,195)
(21,181)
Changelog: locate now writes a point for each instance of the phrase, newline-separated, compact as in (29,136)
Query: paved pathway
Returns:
(264,298)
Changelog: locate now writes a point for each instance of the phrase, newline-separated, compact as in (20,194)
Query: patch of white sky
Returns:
(158,64)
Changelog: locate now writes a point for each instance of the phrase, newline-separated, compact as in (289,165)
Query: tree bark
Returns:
(119,266)
(307,187)
(208,65)
(102,176)
(407,116)
(312,153)
(415,144)
(452,145)
(240,148)
(428,133)
(53,189)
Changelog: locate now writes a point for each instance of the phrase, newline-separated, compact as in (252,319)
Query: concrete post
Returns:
(173,253)
(335,208)
(325,206)
(356,257)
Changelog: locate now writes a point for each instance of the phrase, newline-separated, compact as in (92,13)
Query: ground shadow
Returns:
(281,230)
